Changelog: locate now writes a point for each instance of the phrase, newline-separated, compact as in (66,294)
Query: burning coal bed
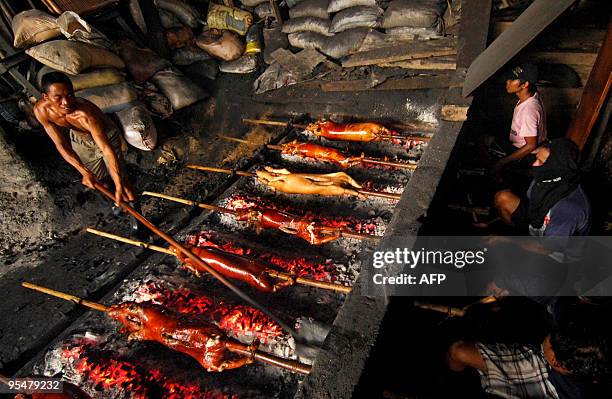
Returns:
(96,356)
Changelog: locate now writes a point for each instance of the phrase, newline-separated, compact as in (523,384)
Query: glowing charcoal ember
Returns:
(322,271)
(237,319)
(240,202)
(397,189)
(105,370)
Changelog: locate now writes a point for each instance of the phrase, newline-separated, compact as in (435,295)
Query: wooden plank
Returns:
(561,57)
(415,83)
(594,95)
(566,95)
(402,52)
(433,64)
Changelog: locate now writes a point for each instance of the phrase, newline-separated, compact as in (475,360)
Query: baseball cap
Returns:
(523,72)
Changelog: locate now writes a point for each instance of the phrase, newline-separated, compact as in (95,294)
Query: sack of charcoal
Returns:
(416,18)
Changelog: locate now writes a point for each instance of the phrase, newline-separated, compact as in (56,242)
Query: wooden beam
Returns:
(433,63)
(401,52)
(414,83)
(594,95)
(561,57)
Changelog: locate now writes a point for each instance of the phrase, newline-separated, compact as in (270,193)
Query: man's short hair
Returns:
(53,78)
(582,342)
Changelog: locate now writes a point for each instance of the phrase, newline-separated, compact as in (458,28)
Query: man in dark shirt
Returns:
(555,204)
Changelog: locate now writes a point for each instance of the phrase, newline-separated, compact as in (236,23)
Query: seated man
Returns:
(572,362)
(555,204)
(528,127)
(94,148)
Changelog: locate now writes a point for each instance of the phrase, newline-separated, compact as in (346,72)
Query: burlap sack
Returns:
(414,14)
(73,57)
(179,37)
(310,8)
(223,45)
(138,127)
(142,63)
(111,98)
(89,79)
(180,90)
(32,27)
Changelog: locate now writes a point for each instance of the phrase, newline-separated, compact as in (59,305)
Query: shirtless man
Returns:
(94,147)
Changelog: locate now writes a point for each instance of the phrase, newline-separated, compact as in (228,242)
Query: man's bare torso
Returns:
(77,120)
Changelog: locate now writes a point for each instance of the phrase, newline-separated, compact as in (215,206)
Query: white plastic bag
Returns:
(138,127)
(76,28)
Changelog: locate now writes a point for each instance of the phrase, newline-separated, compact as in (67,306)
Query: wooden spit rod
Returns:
(372,161)
(453,311)
(249,174)
(197,261)
(271,272)
(301,126)
(343,233)
(258,355)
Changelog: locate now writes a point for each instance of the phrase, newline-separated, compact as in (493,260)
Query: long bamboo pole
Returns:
(369,193)
(4,379)
(197,261)
(258,355)
(453,311)
(372,161)
(68,297)
(272,273)
(343,233)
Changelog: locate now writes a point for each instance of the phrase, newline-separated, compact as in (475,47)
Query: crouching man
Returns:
(573,361)
(84,136)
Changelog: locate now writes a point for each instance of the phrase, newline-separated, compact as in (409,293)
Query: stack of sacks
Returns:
(409,19)
(144,65)
(311,25)
(82,62)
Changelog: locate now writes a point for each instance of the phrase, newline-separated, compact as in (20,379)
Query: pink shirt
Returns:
(528,120)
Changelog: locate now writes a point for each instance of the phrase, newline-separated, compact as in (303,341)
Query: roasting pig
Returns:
(322,153)
(305,228)
(330,184)
(202,341)
(367,131)
(233,266)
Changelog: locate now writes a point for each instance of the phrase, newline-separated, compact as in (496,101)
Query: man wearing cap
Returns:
(528,127)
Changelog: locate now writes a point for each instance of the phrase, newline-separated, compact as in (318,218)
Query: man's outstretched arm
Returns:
(96,129)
